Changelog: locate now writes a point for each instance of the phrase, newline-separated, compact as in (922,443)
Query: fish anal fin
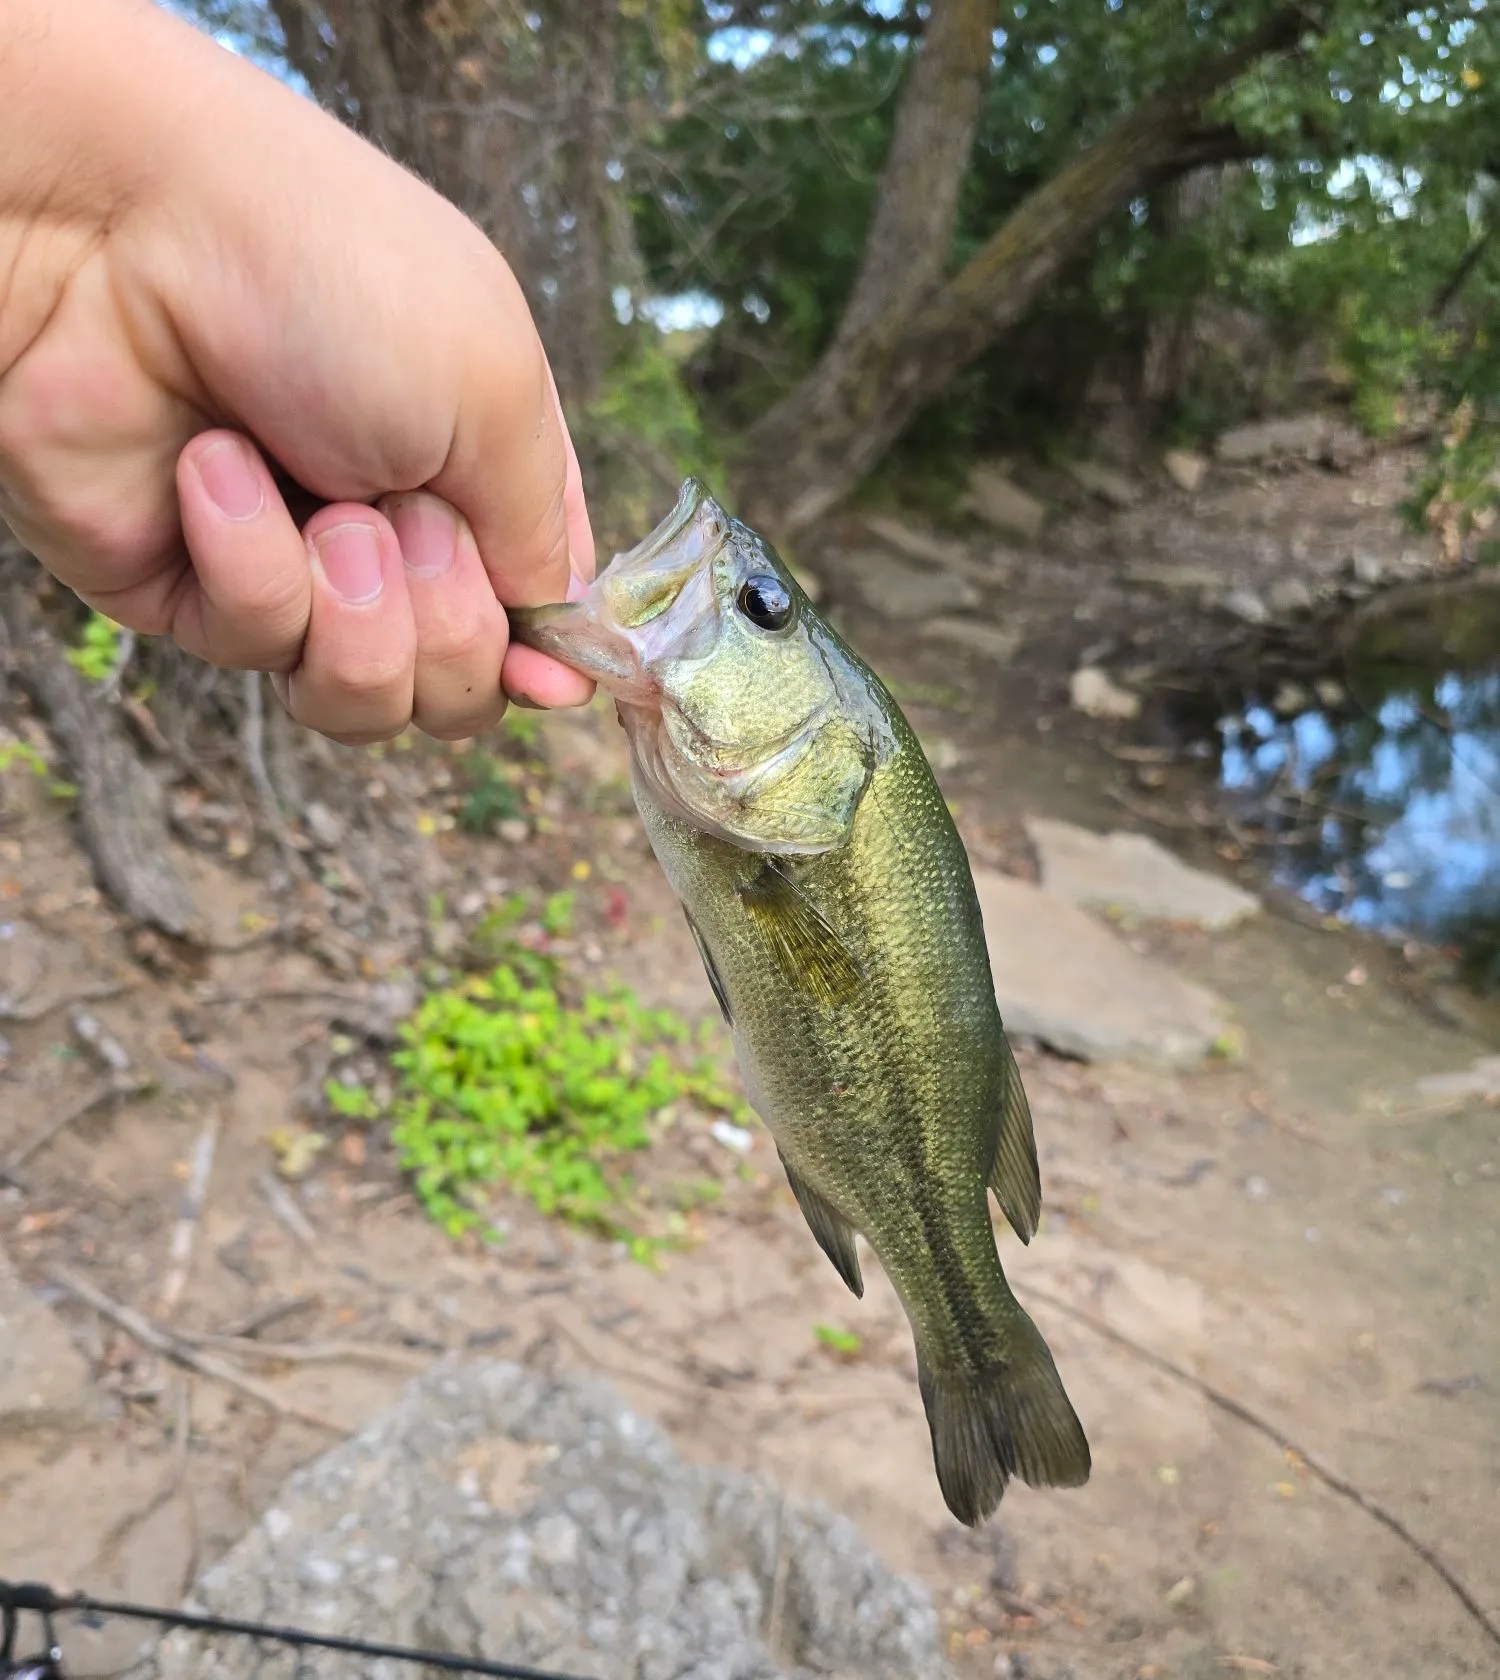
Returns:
(804,945)
(714,981)
(1015,1176)
(834,1233)
(1011,1419)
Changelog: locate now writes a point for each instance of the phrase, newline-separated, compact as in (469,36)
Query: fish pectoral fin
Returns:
(806,948)
(1015,1176)
(834,1233)
(708,968)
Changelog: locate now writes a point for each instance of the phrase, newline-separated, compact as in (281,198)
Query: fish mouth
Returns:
(629,615)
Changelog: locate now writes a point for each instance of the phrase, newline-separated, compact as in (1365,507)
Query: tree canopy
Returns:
(930,228)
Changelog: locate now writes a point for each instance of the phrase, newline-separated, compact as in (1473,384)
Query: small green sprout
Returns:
(843,1342)
(98,650)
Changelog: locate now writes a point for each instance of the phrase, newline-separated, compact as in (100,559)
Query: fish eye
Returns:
(766,601)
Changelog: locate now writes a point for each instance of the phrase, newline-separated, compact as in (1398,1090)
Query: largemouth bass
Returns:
(798,822)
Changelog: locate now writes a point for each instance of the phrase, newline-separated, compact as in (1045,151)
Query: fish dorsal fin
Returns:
(1014,1175)
(834,1233)
(805,947)
(708,968)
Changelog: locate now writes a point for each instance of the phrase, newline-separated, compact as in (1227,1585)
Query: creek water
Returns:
(1380,780)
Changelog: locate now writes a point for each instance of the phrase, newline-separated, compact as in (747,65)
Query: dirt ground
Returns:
(1294,1229)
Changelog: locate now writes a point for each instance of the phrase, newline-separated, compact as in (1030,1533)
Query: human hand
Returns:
(201,274)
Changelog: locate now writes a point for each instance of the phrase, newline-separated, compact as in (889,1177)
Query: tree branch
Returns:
(1459,278)
(812,448)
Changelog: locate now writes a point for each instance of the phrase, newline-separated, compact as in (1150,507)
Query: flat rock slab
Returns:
(1480,1079)
(990,641)
(918,542)
(1064,978)
(44,1380)
(1185,469)
(533,1520)
(1295,434)
(1130,872)
(1105,483)
(993,498)
(898,589)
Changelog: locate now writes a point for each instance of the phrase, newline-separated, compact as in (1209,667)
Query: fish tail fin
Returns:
(1008,1419)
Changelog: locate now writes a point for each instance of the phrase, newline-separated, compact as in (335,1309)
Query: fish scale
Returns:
(798,822)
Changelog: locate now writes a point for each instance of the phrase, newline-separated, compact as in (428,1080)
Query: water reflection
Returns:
(1384,790)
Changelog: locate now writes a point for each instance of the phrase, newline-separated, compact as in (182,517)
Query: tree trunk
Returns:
(906,252)
(810,451)
(509,112)
(122,818)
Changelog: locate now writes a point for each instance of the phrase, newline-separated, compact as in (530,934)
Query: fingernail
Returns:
(577,588)
(231,476)
(428,534)
(527,703)
(350,558)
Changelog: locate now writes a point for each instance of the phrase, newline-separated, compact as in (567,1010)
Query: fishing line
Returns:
(40,1600)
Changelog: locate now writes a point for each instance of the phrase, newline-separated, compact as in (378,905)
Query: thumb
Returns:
(512,471)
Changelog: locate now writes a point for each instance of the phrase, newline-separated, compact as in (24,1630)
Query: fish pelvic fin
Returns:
(1011,1419)
(1015,1176)
(806,948)
(834,1233)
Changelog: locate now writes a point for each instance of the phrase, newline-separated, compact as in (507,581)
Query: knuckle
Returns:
(459,724)
(468,643)
(349,725)
(276,599)
(377,680)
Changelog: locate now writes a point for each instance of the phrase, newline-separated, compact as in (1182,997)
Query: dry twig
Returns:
(15,1010)
(286,1210)
(648,1379)
(183,1232)
(92,1033)
(253,745)
(104,1092)
(1262,1426)
(318,1353)
(246,1327)
(207,1364)
(1155,814)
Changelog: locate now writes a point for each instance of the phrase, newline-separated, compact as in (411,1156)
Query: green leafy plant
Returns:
(350,1102)
(98,649)
(490,793)
(23,756)
(505,1084)
(842,1342)
(522,727)
(557,914)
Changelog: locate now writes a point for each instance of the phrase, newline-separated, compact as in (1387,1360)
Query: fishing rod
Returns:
(34,1597)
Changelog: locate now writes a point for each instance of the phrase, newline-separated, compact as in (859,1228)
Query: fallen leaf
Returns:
(295,1152)
(31,1223)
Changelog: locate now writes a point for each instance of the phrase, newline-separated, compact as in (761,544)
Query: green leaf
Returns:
(839,1341)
